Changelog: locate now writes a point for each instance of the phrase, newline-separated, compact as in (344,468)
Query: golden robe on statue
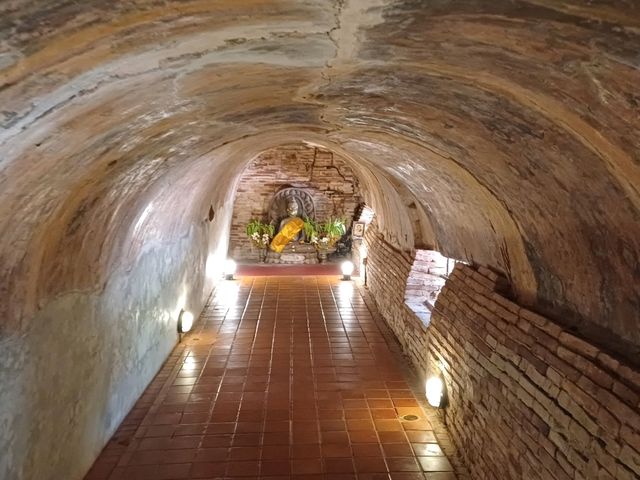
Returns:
(289,231)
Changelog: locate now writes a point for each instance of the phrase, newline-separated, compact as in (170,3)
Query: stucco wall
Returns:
(68,379)
(515,144)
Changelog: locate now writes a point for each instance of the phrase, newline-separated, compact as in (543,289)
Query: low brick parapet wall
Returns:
(528,399)
(388,270)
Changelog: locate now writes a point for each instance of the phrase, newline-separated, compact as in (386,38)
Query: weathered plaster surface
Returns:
(85,358)
(503,132)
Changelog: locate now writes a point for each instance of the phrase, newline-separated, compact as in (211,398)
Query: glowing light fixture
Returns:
(185,321)
(347,269)
(229,269)
(436,392)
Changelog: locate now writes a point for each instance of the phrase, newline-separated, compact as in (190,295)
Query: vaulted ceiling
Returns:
(510,126)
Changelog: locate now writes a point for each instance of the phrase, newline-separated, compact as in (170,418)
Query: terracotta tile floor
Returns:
(282,378)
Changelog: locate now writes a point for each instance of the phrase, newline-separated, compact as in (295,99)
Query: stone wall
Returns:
(324,175)
(527,398)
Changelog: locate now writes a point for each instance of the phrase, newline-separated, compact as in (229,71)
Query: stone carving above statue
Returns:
(282,201)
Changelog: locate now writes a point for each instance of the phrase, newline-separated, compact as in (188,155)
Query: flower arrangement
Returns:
(260,233)
(324,235)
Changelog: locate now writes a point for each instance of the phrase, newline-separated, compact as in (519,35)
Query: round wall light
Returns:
(436,392)
(347,269)
(185,321)
(229,269)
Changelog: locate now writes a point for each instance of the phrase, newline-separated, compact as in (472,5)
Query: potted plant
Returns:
(324,235)
(310,229)
(334,229)
(260,235)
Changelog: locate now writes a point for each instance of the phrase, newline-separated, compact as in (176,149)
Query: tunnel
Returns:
(502,135)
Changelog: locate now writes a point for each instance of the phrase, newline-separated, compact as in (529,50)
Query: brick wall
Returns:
(426,276)
(388,270)
(527,399)
(425,281)
(324,175)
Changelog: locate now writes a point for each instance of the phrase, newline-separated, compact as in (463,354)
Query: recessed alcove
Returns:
(325,184)
(429,272)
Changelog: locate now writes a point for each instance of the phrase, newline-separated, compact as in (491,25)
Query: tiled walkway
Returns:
(282,378)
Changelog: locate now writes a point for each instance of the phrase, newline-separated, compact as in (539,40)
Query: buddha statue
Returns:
(290,229)
(288,246)
(292,212)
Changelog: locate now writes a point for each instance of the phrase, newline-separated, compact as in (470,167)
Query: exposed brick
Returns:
(519,336)
(508,305)
(539,365)
(619,409)
(567,355)
(631,459)
(485,282)
(506,314)
(608,362)
(625,393)
(527,398)
(623,473)
(604,475)
(578,345)
(489,274)
(630,375)
(541,425)
(534,318)
(590,405)
(597,375)
(325,176)
(607,421)
(630,437)
(544,338)
(556,362)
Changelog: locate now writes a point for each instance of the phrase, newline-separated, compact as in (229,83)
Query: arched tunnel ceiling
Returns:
(513,124)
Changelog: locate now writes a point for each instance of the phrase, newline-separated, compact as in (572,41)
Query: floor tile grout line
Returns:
(371,418)
(335,340)
(411,374)
(225,370)
(136,437)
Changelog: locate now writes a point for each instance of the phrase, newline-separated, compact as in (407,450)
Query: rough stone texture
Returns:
(324,175)
(502,132)
(85,357)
